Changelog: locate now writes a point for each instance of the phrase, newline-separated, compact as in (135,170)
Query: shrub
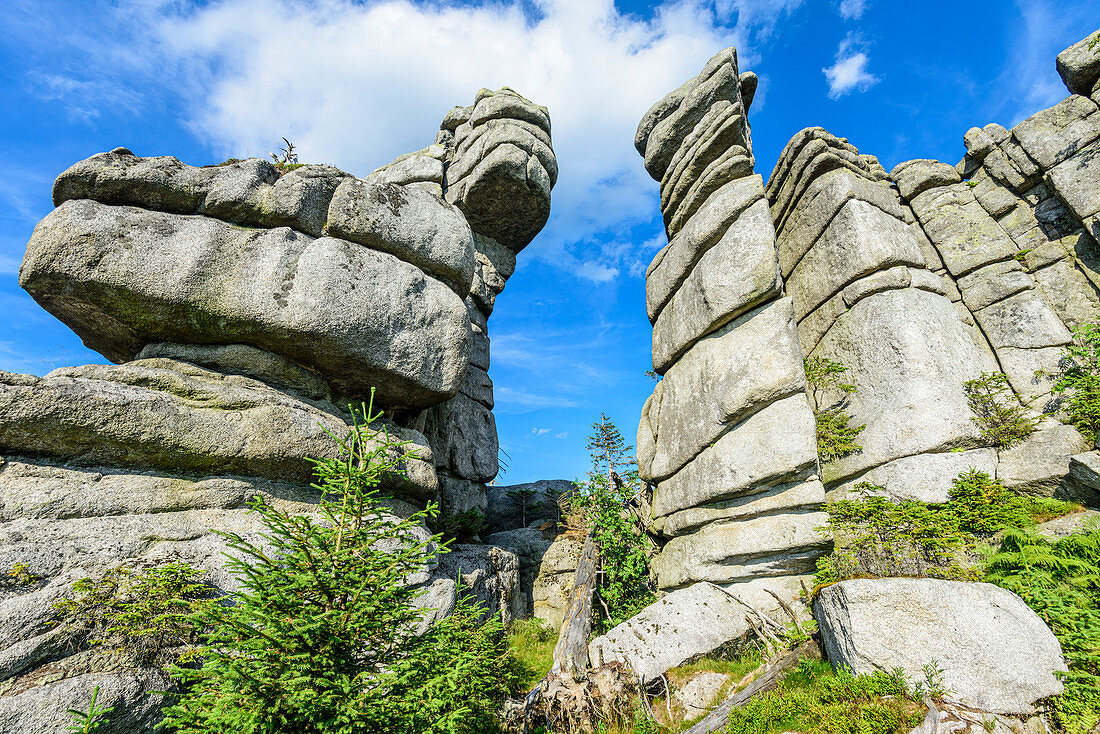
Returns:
(836,437)
(816,699)
(603,501)
(319,636)
(1061,582)
(143,612)
(18,576)
(1000,416)
(1080,376)
(877,537)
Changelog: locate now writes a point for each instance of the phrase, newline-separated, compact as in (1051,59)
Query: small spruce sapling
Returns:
(526,500)
(88,722)
(604,500)
(319,637)
(836,437)
(1001,418)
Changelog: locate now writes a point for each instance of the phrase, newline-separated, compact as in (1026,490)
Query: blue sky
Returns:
(356,84)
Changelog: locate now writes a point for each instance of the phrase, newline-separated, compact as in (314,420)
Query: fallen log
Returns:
(719,716)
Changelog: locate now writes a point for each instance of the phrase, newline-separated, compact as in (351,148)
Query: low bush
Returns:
(1079,376)
(319,636)
(531,645)
(141,612)
(1003,421)
(877,537)
(816,699)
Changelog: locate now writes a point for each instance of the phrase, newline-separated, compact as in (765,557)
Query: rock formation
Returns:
(246,305)
(917,280)
(727,438)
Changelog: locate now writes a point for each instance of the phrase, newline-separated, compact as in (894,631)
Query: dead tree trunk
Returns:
(571,652)
(719,717)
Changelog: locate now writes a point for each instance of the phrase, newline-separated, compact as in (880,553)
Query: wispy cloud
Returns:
(852,9)
(82,99)
(849,73)
(515,400)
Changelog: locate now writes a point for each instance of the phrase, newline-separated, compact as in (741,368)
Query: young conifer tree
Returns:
(604,499)
(319,639)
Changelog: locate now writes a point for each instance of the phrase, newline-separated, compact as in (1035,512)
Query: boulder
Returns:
(463,436)
(700,693)
(1052,135)
(860,240)
(1074,181)
(412,224)
(773,446)
(1079,65)
(917,176)
(487,573)
(703,231)
(554,582)
(242,359)
(964,234)
(789,497)
(1066,525)
(821,200)
(674,630)
(719,81)
(123,277)
(1040,464)
(136,697)
(996,653)
(923,477)
(176,417)
(1084,470)
(503,168)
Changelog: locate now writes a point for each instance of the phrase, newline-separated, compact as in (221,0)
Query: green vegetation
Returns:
(319,638)
(836,437)
(816,699)
(88,722)
(971,184)
(1061,582)
(1080,377)
(531,645)
(143,613)
(877,537)
(462,526)
(604,502)
(1000,416)
(1021,256)
(16,576)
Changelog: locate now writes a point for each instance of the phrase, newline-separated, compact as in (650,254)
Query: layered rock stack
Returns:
(860,274)
(246,306)
(728,436)
(499,168)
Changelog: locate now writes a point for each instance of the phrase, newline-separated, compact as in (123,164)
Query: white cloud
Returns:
(850,70)
(539,431)
(852,9)
(563,434)
(356,84)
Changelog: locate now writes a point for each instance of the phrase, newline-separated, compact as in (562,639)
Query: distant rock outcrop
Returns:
(247,305)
